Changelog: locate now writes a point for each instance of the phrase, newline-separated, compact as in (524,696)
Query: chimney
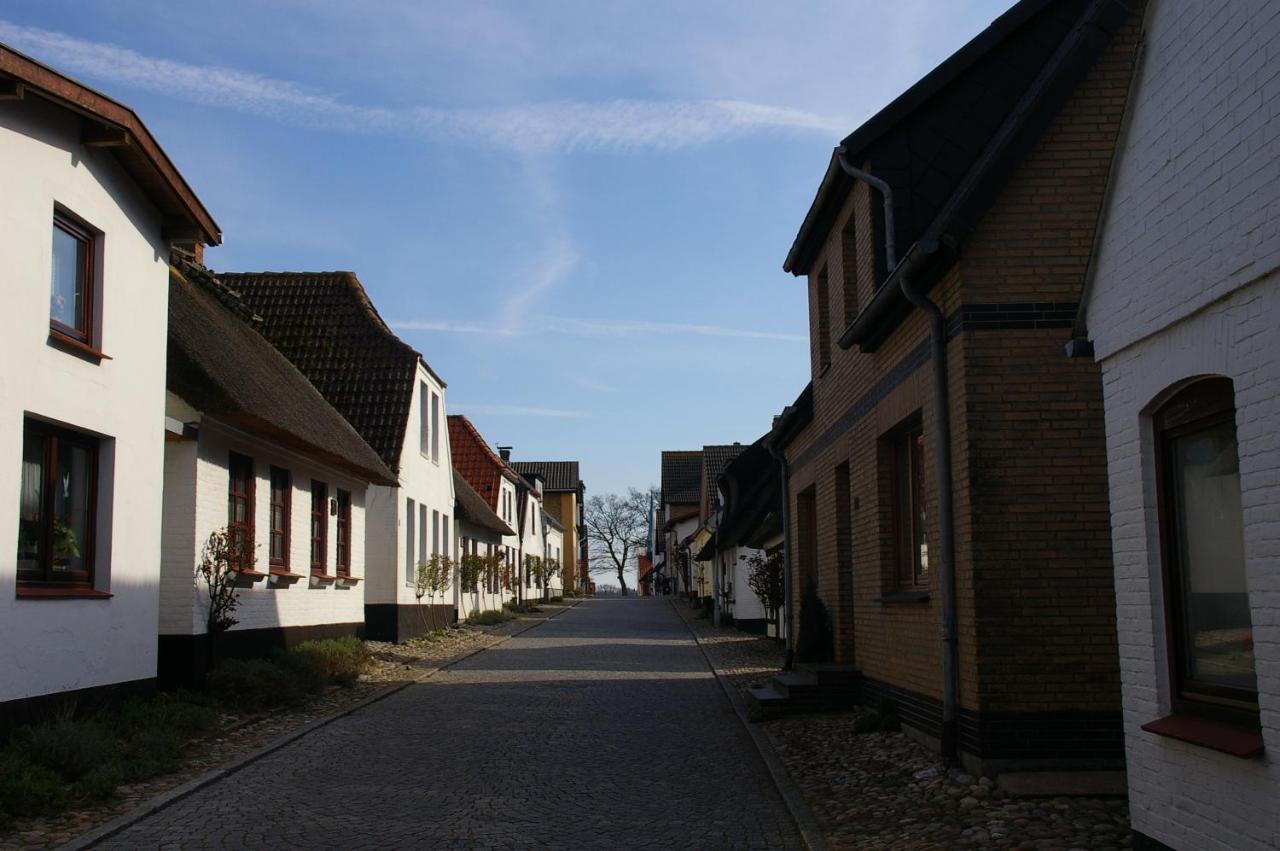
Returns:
(504,452)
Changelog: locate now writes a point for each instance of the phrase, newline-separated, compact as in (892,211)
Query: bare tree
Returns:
(619,526)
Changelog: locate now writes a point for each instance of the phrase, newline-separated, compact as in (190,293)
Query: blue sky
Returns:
(577,211)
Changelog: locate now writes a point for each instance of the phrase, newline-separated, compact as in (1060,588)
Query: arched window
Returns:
(1210,633)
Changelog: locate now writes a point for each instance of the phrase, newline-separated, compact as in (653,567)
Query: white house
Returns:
(253,449)
(1182,309)
(553,544)
(326,325)
(480,532)
(89,208)
(749,528)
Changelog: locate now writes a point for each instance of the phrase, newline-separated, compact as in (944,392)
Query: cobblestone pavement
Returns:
(602,728)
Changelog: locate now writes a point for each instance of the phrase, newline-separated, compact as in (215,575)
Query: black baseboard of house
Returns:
(184,659)
(400,622)
(1142,842)
(33,710)
(755,626)
(1025,738)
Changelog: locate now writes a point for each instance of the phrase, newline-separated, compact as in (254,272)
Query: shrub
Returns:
(248,684)
(520,608)
(337,660)
(28,789)
(69,748)
(150,753)
(100,783)
(179,711)
(489,618)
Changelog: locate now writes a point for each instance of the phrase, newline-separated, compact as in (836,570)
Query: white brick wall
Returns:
(1186,285)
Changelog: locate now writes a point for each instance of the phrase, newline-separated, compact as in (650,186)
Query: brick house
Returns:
(996,162)
(90,208)
(564,497)
(1181,313)
(253,448)
(326,325)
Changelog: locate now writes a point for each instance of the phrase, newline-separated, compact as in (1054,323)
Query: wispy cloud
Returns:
(615,124)
(593,328)
(514,411)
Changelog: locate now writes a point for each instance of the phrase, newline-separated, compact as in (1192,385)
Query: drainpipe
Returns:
(942,452)
(789,658)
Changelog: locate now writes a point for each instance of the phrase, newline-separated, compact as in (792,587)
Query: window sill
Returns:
(1225,738)
(285,576)
(349,579)
(62,594)
(75,347)
(320,576)
(908,597)
(245,578)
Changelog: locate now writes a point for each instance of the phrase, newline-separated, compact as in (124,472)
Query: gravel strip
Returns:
(883,790)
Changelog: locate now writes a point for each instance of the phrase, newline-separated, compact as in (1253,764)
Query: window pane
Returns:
(67,299)
(31,503)
(71,508)
(920,543)
(1219,633)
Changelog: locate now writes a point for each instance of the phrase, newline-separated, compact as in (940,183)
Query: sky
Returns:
(577,211)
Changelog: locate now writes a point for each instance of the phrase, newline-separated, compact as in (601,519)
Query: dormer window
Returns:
(71,290)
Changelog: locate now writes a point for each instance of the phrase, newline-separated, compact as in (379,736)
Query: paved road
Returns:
(601,728)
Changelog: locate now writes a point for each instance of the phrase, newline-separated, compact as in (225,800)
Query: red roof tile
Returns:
(482,468)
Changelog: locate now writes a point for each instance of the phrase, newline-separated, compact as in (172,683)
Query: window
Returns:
(444,533)
(807,537)
(849,266)
(1208,623)
(240,506)
(56,507)
(435,531)
(844,525)
(319,526)
(280,504)
(409,562)
(342,558)
(823,295)
(71,290)
(435,432)
(423,552)
(424,419)
(911,543)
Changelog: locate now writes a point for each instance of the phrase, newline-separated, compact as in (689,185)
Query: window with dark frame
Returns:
(57,507)
(1208,623)
(823,295)
(71,289)
(319,526)
(910,535)
(240,487)
(280,504)
(342,550)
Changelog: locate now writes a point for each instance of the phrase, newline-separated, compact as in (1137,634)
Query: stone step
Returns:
(764,703)
(836,675)
(795,684)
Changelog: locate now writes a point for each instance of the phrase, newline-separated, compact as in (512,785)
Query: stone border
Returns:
(177,793)
(805,821)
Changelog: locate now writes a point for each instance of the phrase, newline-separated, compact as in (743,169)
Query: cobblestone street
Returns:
(558,738)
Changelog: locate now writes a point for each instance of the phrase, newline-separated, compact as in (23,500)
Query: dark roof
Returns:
(116,127)
(550,520)
(681,476)
(555,475)
(752,484)
(471,507)
(326,324)
(793,419)
(220,365)
(476,461)
(714,459)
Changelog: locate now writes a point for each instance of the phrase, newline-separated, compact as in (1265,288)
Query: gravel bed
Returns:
(883,790)
(243,734)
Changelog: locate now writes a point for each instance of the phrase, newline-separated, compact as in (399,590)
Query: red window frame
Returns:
(319,526)
(281,495)
(64,222)
(342,564)
(240,488)
(46,576)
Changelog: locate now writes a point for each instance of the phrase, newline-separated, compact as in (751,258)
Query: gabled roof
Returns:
(220,365)
(326,324)
(557,476)
(470,507)
(476,462)
(111,125)
(681,476)
(714,459)
(753,497)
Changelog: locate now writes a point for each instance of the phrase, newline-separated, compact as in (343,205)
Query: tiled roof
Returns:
(714,460)
(222,366)
(475,461)
(325,323)
(681,476)
(470,506)
(555,475)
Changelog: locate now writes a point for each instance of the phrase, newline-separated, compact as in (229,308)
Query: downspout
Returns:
(789,658)
(942,454)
